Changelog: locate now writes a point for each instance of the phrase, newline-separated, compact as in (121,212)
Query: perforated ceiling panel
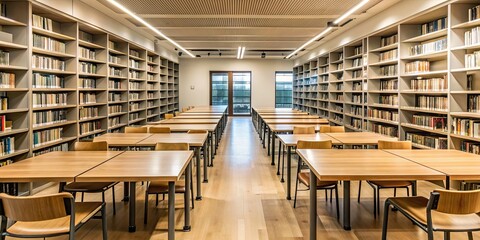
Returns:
(236,22)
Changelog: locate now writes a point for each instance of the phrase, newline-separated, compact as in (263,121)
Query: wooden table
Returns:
(208,109)
(189,121)
(457,165)
(140,166)
(122,139)
(357,164)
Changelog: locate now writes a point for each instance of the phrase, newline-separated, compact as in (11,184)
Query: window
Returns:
(232,89)
(283,89)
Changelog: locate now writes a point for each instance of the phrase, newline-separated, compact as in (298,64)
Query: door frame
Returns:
(230,90)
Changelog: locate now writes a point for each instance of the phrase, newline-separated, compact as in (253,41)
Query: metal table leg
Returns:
(273,148)
(414,188)
(171,210)
(188,181)
(125,192)
(268,141)
(205,163)
(289,172)
(313,206)
(447,185)
(199,173)
(131,208)
(346,205)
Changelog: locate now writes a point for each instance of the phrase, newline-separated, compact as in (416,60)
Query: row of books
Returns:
(429,47)
(388,85)
(92,126)
(337,117)
(388,99)
(134,53)
(150,112)
(42,22)
(48,43)
(134,64)
(113,45)
(88,53)
(133,106)
(429,84)
(150,104)
(340,66)
(134,74)
(85,36)
(87,98)
(44,137)
(7,80)
(133,116)
(112,122)
(390,70)
(87,83)
(43,118)
(357,50)
(115,109)
(3,9)
(3,103)
(5,162)
(471,147)
(112,84)
(49,99)
(357,62)
(150,95)
(88,112)
(430,141)
(431,122)
(115,71)
(150,68)
(40,80)
(4,124)
(357,86)
(151,58)
(150,77)
(114,59)
(439,103)
(134,85)
(417,66)
(388,55)
(86,67)
(357,98)
(472,60)
(4,57)
(472,36)
(385,41)
(62,147)
(356,123)
(114,97)
(466,127)
(382,114)
(49,63)
(7,146)
(151,86)
(473,103)
(434,26)
(474,13)
(357,74)
(356,110)
(383,129)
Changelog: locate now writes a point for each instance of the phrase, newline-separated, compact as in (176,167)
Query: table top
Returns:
(282,113)
(189,121)
(282,116)
(289,127)
(122,139)
(194,140)
(135,166)
(456,164)
(187,116)
(290,140)
(360,138)
(364,164)
(208,109)
(265,109)
(296,121)
(185,127)
(55,166)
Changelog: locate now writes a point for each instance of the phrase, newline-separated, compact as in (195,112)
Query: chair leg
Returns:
(446,235)
(83,194)
(394,192)
(283,166)
(331,195)
(113,201)
(359,190)
(296,190)
(470,235)
(279,151)
(336,202)
(385,220)
(374,202)
(408,192)
(145,211)
(156,199)
(191,194)
(326,195)
(3,227)
(378,201)
(104,222)
(103,198)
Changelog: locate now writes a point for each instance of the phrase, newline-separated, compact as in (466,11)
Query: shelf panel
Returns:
(91,133)
(89,44)
(428,36)
(16,153)
(468,24)
(63,140)
(82,59)
(51,53)
(434,56)
(386,62)
(413,109)
(13,132)
(382,121)
(426,129)
(385,48)
(52,34)
(116,52)
(52,125)
(59,72)
(91,119)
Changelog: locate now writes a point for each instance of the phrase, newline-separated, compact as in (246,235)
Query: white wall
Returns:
(196,72)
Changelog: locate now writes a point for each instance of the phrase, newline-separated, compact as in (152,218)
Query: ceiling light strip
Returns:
(324,32)
(131,14)
(239,52)
(243,53)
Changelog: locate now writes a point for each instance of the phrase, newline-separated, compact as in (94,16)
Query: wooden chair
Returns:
(378,185)
(92,187)
(304,176)
(325,129)
(159,130)
(303,130)
(161,187)
(446,211)
(197,131)
(337,129)
(136,130)
(47,216)
(177,113)
(168,116)
(184,109)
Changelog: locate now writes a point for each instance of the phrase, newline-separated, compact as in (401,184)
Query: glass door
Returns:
(232,89)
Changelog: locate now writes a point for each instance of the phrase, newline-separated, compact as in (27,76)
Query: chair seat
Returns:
(83,212)
(391,184)
(304,177)
(162,187)
(417,207)
(88,186)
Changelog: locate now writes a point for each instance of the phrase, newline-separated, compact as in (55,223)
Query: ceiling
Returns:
(212,27)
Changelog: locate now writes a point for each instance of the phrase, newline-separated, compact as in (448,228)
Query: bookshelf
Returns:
(419,80)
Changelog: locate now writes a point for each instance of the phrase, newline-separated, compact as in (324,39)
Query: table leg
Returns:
(188,184)
(125,192)
(61,187)
(268,141)
(273,148)
(211,148)
(289,172)
(447,183)
(414,188)
(131,208)
(346,205)
(199,173)
(205,163)
(313,206)
(264,130)
(171,210)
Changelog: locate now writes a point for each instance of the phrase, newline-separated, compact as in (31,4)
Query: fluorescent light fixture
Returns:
(124,9)
(239,52)
(328,29)
(349,12)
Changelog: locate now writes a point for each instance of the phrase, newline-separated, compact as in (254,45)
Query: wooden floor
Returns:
(244,199)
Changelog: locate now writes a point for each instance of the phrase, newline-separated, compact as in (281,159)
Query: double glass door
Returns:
(232,89)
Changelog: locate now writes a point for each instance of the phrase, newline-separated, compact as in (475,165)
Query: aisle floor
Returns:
(244,200)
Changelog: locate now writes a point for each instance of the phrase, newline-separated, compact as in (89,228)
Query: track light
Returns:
(263,55)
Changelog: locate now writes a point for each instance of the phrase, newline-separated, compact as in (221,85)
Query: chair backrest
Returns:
(197,131)
(177,113)
(324,129)
(184,109)
(136,130)
(382,144)
(314,144)
(337,129)
(172,146)
(458,202)
(159,130)
(91,146)
(168,116)
(303,130)
(36,208)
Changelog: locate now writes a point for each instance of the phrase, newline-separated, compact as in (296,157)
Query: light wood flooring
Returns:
(245,200)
